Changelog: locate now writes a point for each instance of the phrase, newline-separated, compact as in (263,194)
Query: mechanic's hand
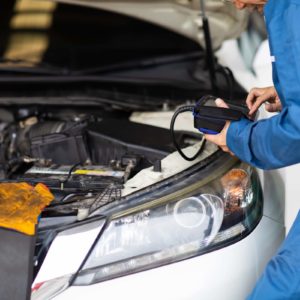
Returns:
(258,96)
(250,4)
(220,139)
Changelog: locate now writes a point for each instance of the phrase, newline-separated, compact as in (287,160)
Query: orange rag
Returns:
(21,204)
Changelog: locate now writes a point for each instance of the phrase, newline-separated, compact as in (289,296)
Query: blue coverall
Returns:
(275,142)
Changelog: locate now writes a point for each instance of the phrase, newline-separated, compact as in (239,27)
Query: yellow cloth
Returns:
(21,204)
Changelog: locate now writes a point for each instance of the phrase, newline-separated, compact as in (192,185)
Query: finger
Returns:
(250,98)
(254,1)
(259,101)
(212,138)
(255,92)
(219,139)
(225,128)
(226,149)
(266,94)
(260,8)
(278,104)
(273,107)
(239,5)
(270,107)
(221,103)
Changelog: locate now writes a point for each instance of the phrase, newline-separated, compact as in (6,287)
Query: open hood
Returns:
(180,16)
(138,55)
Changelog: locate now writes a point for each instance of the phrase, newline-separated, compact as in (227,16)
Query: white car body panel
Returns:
(229,273)
(61,258)
(171,165)
(180,16)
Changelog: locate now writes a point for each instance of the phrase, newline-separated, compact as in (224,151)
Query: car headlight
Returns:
(176,227)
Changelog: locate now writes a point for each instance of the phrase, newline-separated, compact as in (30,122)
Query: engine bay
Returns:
(75,152)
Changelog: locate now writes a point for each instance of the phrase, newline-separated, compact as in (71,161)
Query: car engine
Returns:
(79,152)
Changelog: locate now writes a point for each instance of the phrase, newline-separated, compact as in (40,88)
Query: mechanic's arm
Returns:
(255,99)
(267,144)
(275,142)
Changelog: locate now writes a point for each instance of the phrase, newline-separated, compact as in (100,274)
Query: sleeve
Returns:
(275,142)
(267,144)
(281,279)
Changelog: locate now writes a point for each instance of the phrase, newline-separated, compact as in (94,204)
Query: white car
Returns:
(88,91)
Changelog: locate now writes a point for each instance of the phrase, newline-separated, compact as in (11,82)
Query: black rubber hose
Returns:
(179,111)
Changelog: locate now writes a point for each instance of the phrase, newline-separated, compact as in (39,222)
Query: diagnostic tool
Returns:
(208,119)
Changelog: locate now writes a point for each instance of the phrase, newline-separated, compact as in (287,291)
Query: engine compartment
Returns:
(84,155)
(76,151)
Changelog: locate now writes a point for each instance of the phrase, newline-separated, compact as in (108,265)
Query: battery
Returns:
(101,171)
(74,177)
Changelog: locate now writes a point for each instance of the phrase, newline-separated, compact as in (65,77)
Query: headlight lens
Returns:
(207,218)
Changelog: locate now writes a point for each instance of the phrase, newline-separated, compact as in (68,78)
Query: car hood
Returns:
(180,16)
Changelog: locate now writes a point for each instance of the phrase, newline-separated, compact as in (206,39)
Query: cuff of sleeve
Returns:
(237,139)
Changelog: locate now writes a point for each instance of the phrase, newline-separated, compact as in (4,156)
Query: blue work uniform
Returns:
(281,277)
(275,142)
